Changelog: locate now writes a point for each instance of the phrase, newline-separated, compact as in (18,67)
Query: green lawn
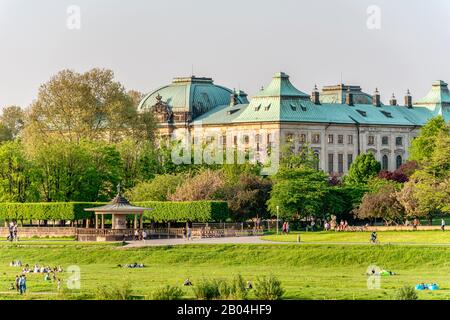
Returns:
(385,237)
(306,272)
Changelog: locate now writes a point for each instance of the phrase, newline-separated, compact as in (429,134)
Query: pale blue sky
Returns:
(240,43)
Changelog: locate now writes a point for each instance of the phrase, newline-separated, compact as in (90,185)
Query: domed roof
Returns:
(191,94)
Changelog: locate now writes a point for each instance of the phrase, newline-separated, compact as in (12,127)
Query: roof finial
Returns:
(118,189)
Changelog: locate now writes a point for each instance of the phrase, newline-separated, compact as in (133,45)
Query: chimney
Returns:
(376,99)
(315,96)
(393,101)
(234,99)
(349,97)
(408,99)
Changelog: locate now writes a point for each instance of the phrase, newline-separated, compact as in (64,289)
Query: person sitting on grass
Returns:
(249,285)
(187,283)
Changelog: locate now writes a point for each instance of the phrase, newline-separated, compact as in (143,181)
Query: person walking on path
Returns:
(442,224)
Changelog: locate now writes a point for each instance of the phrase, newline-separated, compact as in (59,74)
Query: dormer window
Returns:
(267,108)
(257,108)
(363,113)
(293,107)
(387,114)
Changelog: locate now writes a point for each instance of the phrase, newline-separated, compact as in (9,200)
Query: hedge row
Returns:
(196,211)
(46,211)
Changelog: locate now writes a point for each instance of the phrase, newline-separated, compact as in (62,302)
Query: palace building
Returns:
(338,123)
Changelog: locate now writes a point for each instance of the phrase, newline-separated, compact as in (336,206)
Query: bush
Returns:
(114,293)
(208,289)
(238,288)
(268,288)
(406,293)
(168,293)
(198,211)
(46,211)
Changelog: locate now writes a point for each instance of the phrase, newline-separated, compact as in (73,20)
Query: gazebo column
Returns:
(141,222)
(113,222)
(103,221)
(96,220)
(135,221)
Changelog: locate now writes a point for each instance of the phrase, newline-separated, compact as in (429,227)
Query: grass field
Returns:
(306,271)
(385,237)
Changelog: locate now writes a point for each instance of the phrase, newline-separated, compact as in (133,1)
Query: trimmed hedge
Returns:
(46,211)
(196,211)
(193,211)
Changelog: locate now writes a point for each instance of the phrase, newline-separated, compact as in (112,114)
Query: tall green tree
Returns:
(17,178)
(364,168)
(92,105)
(12,121)
(298,192)
(423,146)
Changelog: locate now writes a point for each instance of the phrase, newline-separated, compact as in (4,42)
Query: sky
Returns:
(392,45)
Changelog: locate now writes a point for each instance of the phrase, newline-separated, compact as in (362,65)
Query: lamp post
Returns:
(278,209)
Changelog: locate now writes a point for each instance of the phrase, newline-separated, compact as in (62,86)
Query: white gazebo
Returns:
(119,208)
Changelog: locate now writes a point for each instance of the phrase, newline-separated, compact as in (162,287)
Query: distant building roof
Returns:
(191,94)
(282,102)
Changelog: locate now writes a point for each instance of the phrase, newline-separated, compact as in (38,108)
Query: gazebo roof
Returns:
(119,205)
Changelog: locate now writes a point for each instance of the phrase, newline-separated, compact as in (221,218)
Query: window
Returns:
(224,140)
(209,139)
(267,108)
(399,161)
(330,163)
(385,163)
(340,163)
(399,141)
(387,114)
(385,141)
(293,107)
(269,138)
(349,160)
(303,107)
(363,113)
(289,137)
(302,138)
(317,156)
(340,139)
(246,139)
(330,138)
(350,139)
(371,141)
(257,108)
(316,138)
(235,140)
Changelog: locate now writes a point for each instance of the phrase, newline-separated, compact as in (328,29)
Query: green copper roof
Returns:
(281,87)
(192,94)
(437,100)
(282,102)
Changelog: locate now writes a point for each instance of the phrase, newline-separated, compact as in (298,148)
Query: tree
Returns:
(16,174)
(298,192)
(203,186)
(158,189)
(73,106)
(363,169)
(247,197)
(70,171)
(424,145)
(381,203)
(303,157)
(13,121)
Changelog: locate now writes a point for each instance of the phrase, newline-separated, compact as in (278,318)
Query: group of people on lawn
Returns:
(20,284)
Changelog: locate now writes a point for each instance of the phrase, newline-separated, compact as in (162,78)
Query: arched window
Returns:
(317,160)
(399,161)
(385,163)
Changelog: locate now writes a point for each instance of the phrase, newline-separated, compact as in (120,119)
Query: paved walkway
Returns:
(174,242)
(257,240)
